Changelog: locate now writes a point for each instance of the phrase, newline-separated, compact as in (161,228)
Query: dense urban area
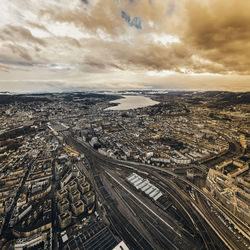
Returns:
(76,174)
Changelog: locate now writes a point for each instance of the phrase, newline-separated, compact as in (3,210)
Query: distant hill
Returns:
(225,99)
(7,99)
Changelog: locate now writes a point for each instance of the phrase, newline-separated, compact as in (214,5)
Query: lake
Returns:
(132,102)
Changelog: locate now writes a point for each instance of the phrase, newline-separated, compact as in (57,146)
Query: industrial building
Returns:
(96,235)
(229,184)
(144,185)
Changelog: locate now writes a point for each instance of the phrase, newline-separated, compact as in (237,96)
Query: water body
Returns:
(132,102)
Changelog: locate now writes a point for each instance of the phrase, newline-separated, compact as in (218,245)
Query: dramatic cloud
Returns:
(104,15)
(126,44)
(219,31)
(19,34)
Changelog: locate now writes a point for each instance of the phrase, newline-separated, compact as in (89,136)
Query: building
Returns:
(63,193)
(2,208)
(89,198)
(42,228)
(243,142)
(63,205)
(78,207)
(25,209)
(228,190)
(58,171)
(72,186)
(66,179)
(85,187)
(65,219)
(2,220)
(75,172)
(80,179)
(94,141)
(26,243)
(144,185)
(39,194)
(178,158)
(21,200)
(74,196)
(121,246)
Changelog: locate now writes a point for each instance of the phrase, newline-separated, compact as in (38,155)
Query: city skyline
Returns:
(83,170)
(187,44)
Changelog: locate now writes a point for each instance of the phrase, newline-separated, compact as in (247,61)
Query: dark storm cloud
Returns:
(219,31)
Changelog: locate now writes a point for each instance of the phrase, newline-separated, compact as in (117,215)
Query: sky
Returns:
(48,45)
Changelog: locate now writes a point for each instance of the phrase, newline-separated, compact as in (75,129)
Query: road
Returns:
(234,150)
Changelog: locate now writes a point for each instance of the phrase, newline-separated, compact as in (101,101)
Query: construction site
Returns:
(229,183)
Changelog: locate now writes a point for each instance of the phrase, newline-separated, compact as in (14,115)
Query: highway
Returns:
(211,240)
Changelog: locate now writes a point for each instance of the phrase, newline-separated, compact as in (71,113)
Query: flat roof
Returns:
(134,179)
(78,203)
(95,236)
(149,190)
(131,176)
(138,182)
(65,215)
(157,196)
(144,183)
(146,187)
(121,246)
(156,193)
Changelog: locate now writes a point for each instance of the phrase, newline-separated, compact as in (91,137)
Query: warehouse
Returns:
(144,185)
